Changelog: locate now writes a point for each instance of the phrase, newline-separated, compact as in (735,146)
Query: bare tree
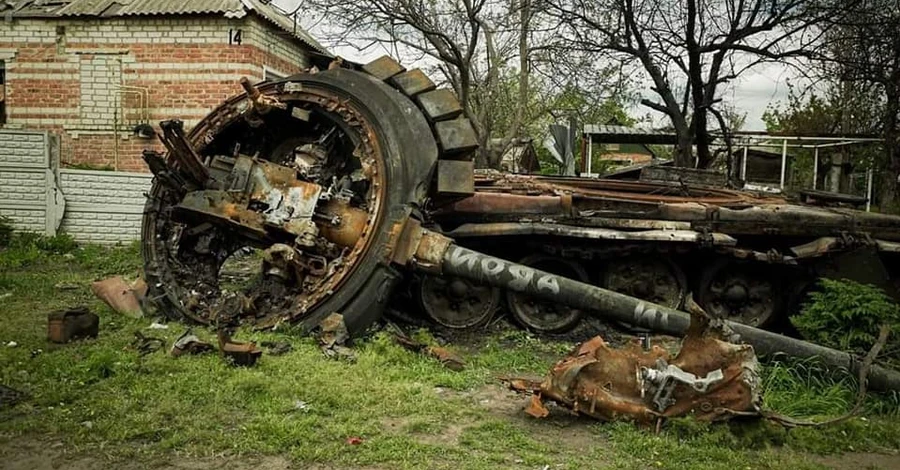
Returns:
(690,49)
(472,43)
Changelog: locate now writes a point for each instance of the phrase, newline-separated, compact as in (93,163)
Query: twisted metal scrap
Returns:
(607,384)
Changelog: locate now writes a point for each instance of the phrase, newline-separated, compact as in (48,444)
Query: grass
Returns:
(408,411)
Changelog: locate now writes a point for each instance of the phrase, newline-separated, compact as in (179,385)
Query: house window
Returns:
(2,92)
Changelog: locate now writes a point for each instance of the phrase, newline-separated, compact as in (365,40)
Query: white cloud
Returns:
(756,89)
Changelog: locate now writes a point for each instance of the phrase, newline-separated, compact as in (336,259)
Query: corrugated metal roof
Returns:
(113,8)
(614,134)
(31,8)
(149,7)
(621,130)
(274,15)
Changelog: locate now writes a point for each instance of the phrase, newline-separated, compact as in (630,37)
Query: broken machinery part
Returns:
(181,154)
(73,324)
(189,343)
(710,378)
(146,344)
(237,353)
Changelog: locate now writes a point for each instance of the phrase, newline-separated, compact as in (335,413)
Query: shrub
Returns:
(60,244)
(25,248)
(6,230)
(847,315)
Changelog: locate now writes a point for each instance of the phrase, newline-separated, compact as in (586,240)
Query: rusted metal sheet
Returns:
(591,233)
(709,378)
(511,204)
(493,181)
(684,175)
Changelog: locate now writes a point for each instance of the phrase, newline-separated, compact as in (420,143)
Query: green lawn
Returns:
(104,403)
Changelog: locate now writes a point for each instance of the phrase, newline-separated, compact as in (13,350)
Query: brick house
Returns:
(97,72)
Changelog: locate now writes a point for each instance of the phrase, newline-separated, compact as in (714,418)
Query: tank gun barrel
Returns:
(437,254)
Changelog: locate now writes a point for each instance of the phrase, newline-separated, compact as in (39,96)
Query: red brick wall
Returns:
(99,151)
(69,83)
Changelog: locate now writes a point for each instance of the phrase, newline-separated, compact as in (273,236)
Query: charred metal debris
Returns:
(340,185)
(710,378)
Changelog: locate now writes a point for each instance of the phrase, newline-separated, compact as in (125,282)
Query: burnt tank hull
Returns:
(746,257)
(320,173)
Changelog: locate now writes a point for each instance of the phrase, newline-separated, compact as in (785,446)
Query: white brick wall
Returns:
(27,31)
(103,206)
(22,149)
(260,34)
(100,207)
(23,179)
(99,96)
(121,31)
(23,199)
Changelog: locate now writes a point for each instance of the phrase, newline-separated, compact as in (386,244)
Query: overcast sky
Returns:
(750,94)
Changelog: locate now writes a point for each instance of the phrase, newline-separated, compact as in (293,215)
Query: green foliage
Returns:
(59,244)
(6,231)
(25,248)
(30,249)
(804,388)
(846,315)
(836,110)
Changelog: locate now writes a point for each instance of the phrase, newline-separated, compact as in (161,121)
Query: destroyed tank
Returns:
(341,177)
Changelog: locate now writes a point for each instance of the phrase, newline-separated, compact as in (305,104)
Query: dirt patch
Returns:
(861,460)
(447,434)
(39,454)
(497,400)
(563,427)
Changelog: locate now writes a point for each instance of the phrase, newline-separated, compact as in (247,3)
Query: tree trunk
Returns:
(701,133)
(695,82)
(889,186)
(889,191)
(684,152)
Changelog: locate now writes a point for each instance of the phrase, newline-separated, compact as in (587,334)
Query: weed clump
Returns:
(847,315)
(6,231)
(26,248)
